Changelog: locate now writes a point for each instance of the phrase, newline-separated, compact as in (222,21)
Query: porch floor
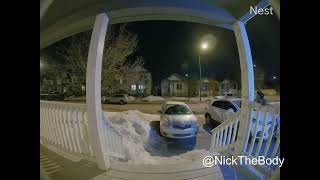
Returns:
(59,168)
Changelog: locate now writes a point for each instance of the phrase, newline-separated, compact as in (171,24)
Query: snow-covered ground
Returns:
(131,98)
(143,143)
(153,98)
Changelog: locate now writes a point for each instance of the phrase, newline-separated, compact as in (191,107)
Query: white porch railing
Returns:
(256,146)
(224,137)
(64,129)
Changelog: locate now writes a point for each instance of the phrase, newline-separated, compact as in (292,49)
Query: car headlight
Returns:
(164,123)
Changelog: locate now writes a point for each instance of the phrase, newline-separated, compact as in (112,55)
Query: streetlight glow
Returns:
(204,45)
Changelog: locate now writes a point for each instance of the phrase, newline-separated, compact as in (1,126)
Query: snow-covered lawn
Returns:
(141,140)
(153,98)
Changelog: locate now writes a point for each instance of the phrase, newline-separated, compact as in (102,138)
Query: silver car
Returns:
(177,121)
(118,98)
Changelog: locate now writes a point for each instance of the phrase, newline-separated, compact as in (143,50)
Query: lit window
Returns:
(133,87)
(141,86)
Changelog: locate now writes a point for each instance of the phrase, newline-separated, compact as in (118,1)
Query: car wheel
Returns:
(122,102)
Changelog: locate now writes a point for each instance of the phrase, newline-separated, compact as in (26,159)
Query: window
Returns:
(74,80)
(205,87)
(141,86)
(229,105)
(237,102)
(177,109)
(179,86)
(218,104)
(234,86)
(143,76)
(133,87)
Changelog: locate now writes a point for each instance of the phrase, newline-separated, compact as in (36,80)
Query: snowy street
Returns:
(151,107)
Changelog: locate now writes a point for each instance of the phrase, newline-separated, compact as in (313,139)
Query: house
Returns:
(174,85)
(65,84)
(209,87)
(138,82)
(228,86)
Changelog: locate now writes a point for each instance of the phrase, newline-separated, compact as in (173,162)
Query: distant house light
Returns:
(141,86)
(83,88)
(133,87)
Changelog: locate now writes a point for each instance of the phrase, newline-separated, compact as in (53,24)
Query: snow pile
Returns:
(153,98)
(131,98)
(134,126)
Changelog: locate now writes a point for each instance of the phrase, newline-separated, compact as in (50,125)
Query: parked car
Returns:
(52,96)
(117,98)
(177,121)
(217,109)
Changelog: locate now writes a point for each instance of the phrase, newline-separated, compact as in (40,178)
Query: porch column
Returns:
(93,94)
(247,80)
(276,5)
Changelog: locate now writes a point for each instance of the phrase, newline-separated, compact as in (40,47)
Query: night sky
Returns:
(167,45)
(172,47)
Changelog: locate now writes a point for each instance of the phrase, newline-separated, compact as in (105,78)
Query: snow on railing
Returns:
(64,128)
(225,135)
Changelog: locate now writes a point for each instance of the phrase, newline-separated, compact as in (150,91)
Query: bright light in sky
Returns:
(204,45)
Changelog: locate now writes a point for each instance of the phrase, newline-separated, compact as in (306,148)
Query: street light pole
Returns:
(200,78)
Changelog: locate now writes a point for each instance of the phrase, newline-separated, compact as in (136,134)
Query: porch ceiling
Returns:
(65,18)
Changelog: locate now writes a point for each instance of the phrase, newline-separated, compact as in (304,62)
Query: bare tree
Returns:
(119,44)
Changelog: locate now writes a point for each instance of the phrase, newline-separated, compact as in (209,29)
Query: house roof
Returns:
(140,69)
(66,18)
(174,77)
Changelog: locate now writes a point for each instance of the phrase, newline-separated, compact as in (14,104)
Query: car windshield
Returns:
(177,109)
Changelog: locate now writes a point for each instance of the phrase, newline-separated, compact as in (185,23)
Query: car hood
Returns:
(188,117)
